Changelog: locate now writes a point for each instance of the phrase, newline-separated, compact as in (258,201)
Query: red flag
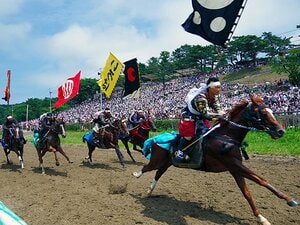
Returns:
(68,90)
(7,89)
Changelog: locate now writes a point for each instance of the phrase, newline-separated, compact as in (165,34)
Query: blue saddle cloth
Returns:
(164,140)
(88,136)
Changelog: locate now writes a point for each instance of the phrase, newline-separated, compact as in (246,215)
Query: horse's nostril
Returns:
(280,132)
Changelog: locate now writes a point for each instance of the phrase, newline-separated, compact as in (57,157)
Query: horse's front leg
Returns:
(40,156)
(56,159)
(91,148)
(243,172)
(59,149)
(20,157)
(120,155)
(247,173)
(136,149)
(7,151)
(125,143)
(244,188)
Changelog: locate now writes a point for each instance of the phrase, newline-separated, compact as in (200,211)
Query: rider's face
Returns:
(215,90)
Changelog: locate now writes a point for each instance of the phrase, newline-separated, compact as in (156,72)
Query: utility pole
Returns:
(50,107)
(101,104)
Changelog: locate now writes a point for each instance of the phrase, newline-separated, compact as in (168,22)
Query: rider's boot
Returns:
(180,155)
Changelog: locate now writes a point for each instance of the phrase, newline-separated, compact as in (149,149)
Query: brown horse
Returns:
(244,117)
(110,140)
(52,143)
(138,135)
(17,141)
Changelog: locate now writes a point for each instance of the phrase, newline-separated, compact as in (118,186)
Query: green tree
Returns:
(288,63)
(273,45)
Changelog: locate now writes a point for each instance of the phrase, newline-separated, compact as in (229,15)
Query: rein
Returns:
(242,126)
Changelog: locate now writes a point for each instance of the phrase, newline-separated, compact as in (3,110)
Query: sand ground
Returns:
(107,194)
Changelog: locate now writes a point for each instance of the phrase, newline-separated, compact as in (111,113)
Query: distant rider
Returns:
(10,123)
(136,117)
(102,120)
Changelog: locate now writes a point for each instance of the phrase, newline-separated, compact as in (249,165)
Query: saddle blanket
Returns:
(89,137)
(8,217)
(164,140)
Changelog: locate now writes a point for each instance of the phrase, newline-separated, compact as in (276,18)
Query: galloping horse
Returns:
(52,143)
(138,134)
(110,140)
(244,117)
(16,145)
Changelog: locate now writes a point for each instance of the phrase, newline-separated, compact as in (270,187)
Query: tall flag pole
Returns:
(214,20)
(110,75)
(7,89)
(132,78)
(68,90)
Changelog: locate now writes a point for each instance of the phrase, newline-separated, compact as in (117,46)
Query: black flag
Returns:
(213,20)
(132,77)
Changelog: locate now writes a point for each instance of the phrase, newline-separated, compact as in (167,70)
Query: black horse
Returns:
(51,143)
(110,140)
(16,144)
(245,116)
(138,135)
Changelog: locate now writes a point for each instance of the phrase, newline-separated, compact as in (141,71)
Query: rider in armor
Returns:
(9,123)
(102,120)
(136,117)
(203,105)
(45,122)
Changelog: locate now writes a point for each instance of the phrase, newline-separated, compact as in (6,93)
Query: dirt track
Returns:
(106,194)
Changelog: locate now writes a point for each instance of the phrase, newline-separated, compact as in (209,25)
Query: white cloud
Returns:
(60,39)
(10,7)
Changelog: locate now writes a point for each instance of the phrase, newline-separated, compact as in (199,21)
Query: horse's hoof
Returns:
(149,192)
(293,203)
(70,162)
(57,164)
(137,174)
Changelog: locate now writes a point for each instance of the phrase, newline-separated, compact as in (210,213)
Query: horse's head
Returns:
(59,127)
(123,126)
(259,116)
(148,124)
(120,125)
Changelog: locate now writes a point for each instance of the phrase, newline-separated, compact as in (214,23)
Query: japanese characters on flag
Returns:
(110,75)
(68,90)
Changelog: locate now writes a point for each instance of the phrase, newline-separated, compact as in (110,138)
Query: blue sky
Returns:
(44,42)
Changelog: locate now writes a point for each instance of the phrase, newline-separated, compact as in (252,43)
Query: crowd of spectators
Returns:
(165,100)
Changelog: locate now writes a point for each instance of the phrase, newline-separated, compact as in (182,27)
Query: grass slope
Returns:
(249,76)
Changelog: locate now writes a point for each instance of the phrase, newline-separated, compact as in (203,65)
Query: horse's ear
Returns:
(256,99)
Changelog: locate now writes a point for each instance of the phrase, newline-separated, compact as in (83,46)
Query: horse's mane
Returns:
(238,107)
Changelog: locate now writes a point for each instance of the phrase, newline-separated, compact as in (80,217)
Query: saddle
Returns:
(194,154)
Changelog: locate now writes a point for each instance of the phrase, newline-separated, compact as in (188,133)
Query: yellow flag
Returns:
(110,74)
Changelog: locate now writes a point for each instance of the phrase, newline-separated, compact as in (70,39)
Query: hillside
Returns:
(249,76)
